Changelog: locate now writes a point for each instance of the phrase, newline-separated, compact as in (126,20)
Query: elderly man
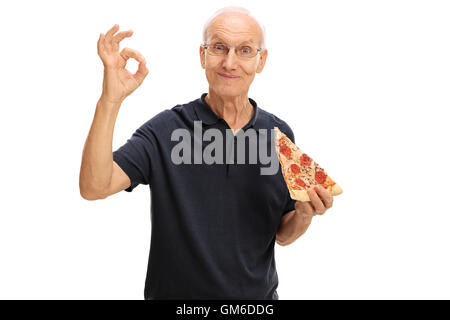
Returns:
(214,226)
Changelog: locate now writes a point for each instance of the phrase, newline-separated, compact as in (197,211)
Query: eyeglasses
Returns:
(222,49)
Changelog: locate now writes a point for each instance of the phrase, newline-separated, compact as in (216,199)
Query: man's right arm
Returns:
(100,176)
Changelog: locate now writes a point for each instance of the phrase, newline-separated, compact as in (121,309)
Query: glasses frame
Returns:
(205,46)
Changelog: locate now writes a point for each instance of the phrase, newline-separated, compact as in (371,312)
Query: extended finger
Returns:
(100,44)
(110,33)
(122,35)
(326,196)
(316,202)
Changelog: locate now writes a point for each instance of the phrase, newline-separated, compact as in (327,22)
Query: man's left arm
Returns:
(295,223)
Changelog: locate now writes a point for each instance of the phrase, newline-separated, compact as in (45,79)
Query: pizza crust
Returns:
(336,189)
(299,195)
(302,195)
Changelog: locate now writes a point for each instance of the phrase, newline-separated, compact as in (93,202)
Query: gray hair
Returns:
(235,9)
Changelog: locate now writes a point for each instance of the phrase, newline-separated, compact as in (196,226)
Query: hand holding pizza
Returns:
(118,82)
(320,201)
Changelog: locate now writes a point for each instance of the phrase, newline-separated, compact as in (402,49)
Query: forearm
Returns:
(292,226)
(97,160)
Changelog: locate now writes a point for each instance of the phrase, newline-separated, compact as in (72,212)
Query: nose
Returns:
(231,59)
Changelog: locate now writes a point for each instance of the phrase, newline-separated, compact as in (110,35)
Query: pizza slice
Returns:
(300,171)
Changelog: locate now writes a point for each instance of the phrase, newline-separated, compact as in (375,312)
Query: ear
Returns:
(202,57)
(262,60)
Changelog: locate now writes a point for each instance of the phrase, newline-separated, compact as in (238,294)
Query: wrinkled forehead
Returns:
(234,28)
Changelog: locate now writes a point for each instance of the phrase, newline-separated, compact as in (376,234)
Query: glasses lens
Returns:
(218,49)
(246,51)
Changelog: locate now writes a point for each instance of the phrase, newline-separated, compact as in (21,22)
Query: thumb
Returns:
(141,72)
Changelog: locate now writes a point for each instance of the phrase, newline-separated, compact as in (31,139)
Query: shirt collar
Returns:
(208,117)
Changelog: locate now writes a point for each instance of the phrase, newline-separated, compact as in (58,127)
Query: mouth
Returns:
(228,76)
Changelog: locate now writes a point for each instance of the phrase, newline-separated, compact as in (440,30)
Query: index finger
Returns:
(326,197)
(111,31)
(130,53)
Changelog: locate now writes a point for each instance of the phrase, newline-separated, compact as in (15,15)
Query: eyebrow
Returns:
(221,40)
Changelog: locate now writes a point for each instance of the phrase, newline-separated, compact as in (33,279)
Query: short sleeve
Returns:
(290,205)
(135,156)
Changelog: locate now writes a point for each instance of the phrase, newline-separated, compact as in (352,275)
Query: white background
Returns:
(363,84)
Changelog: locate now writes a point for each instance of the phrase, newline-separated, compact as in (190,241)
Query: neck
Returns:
(236,111)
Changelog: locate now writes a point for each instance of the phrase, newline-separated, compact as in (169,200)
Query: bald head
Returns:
(235,21)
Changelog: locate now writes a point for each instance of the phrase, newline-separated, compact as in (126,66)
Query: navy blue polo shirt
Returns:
(213,225)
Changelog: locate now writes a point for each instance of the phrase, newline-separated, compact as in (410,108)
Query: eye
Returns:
(246,50)
(219,46)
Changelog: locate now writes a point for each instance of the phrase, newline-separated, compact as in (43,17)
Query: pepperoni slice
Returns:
(285,150)
(305,160)
(295,168)
(300,182)
(320,177)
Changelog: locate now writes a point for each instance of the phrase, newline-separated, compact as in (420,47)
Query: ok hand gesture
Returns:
(118,82)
